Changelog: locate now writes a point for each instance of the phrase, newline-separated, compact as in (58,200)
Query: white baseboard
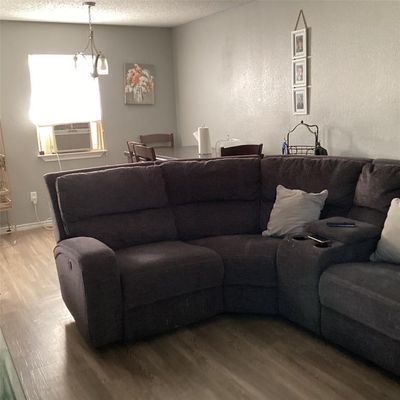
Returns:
(24,227)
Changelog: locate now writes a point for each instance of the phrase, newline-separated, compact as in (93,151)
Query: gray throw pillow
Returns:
(388,249)
(293,210)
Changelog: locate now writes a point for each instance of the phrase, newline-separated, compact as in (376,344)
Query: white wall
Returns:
(232,73)
(121,122)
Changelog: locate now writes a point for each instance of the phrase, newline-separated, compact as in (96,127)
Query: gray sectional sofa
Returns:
(145,248)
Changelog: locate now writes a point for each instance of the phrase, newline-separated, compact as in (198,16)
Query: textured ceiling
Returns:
(161,13)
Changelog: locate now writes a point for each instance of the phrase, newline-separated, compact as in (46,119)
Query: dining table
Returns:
(179,153)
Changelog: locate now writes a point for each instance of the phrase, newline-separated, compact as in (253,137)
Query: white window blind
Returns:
(61,93)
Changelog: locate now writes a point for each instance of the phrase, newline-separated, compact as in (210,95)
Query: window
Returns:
(67,96)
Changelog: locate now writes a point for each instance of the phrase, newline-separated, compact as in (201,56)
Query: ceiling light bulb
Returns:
(103,67)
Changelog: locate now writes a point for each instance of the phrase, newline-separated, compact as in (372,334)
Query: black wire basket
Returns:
(304,149)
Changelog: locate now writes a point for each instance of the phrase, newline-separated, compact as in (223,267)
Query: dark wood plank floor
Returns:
(224,358)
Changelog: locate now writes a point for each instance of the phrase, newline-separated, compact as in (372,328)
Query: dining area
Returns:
(162,146)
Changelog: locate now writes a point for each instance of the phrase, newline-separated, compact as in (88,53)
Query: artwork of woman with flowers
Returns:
(139,84)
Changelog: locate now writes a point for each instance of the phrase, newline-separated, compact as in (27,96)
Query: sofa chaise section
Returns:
(361,301)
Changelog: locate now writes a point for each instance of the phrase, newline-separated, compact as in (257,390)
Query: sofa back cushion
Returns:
(120,207)
(378,184)
(50,180)
(338,175)
(214,197)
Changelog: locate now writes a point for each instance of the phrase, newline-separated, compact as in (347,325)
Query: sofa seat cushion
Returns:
(248,259)
(365,292)
(158,271)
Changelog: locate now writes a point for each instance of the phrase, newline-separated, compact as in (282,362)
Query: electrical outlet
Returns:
(34,197)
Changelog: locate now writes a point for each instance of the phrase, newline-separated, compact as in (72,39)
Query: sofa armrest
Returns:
(300,263)
(91,288)
(360,232)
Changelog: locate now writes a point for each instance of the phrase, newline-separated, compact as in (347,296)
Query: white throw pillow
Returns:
(388,249)
(293,210)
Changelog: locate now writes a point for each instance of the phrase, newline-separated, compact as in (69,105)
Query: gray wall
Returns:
(233,73)
(121,122)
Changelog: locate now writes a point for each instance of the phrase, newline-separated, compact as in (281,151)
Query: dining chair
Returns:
(131,151)
(158,139)
(144,153)
(242,150)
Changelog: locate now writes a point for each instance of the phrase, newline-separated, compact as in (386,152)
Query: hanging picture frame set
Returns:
(299,68)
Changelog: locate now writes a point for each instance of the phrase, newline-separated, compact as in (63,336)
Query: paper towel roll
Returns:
(203,140)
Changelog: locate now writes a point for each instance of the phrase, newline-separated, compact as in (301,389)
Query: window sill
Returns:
(73,156)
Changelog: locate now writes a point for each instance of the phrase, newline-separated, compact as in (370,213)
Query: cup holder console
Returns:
(300,237)
(322,245)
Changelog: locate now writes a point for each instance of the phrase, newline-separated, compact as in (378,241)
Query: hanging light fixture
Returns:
(99,61)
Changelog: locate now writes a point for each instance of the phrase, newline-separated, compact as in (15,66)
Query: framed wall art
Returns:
(299,72)
(139,83)
(300,63)
(300,100)
(299,43)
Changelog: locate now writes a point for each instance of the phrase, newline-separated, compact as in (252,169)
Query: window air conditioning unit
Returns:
(72,137)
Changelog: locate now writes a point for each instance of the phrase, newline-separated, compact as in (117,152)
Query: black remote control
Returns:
(319,239)
(343,224)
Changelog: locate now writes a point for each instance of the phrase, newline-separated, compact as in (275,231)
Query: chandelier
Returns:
(99,61)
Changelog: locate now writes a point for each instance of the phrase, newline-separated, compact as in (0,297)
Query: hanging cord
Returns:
(59,161)
(47,224)
(90,44)
(91,33)
(298,20)
(106,158)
